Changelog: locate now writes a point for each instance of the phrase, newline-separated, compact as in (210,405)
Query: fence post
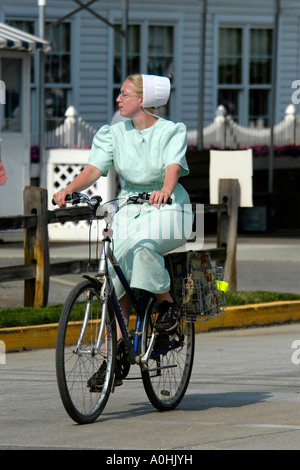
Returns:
(229,193)
(36,248)
(220,121)
(70,126)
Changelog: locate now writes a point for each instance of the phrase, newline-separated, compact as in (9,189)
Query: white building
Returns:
(233,59)
(240,54)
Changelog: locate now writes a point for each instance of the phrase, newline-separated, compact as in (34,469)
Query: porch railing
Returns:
(223,132)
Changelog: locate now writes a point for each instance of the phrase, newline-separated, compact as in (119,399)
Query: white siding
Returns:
(93,61)
(288,60)
(191,50)
(92,48)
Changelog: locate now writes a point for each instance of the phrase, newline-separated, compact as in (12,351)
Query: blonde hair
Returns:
(137,80)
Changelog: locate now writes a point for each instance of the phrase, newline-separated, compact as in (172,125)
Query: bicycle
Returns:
(87,338)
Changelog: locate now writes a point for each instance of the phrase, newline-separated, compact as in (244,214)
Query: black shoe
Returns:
(97,380)
(168,314)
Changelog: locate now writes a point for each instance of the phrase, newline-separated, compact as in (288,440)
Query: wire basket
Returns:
(202,300)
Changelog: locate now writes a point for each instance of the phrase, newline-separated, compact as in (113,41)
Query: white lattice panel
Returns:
(63,165)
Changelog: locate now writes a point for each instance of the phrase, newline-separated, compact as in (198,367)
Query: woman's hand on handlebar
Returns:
(86,178)
(60,197)
(172,173)
(159,197)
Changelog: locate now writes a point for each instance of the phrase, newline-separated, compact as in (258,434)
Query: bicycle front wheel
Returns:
(170,365)
(85,349)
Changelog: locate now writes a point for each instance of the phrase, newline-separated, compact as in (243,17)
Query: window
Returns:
(59,58)
(150,50)
(244,73)
(133,56)
(230,69)
(57,74)
(230,56)
(260,75)
(11,74)
(57,69)
(28,27)
(160,51)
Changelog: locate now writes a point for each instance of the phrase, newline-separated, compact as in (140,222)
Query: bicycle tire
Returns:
(75,364)
(170,365)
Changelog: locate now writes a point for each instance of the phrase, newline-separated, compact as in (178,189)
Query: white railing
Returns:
(223,132)
(73,132)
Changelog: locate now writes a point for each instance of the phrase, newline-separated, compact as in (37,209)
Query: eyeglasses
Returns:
(123,95)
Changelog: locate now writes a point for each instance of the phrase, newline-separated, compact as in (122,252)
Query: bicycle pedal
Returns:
(95,389)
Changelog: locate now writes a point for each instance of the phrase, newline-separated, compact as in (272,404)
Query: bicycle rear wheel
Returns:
(170,365)
(78,359)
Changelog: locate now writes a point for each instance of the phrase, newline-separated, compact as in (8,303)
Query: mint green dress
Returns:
(144,233)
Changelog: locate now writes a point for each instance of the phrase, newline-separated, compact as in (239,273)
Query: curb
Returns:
(253,315)
(245,316)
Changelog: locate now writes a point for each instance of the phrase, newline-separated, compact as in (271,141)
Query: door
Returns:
(15,130)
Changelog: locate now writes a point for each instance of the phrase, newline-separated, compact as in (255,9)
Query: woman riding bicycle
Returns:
(148,152)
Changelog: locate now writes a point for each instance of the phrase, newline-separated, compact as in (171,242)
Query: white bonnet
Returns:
(156,91)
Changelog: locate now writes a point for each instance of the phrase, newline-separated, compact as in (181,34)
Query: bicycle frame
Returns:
(89,372)
(108,291)
(135,354)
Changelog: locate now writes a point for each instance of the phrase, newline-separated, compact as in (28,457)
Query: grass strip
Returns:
(28,316)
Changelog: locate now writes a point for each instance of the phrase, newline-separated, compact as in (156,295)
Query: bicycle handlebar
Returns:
(94,201)
(144,197)
(76,198)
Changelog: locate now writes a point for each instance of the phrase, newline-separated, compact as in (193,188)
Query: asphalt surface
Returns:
(244,391)
(244,394)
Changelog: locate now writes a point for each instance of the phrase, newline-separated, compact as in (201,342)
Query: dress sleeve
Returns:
(101,155)
(175,147)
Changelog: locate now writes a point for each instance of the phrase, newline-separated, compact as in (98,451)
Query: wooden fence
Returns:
(37,269)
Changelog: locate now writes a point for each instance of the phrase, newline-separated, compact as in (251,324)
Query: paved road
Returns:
(244,394)
(263,263)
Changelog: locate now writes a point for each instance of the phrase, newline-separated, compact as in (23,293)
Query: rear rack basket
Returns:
(202,300)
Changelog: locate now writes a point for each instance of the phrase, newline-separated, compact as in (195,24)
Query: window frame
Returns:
(34,85)
(67,87)
(174,21)
(246,24)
